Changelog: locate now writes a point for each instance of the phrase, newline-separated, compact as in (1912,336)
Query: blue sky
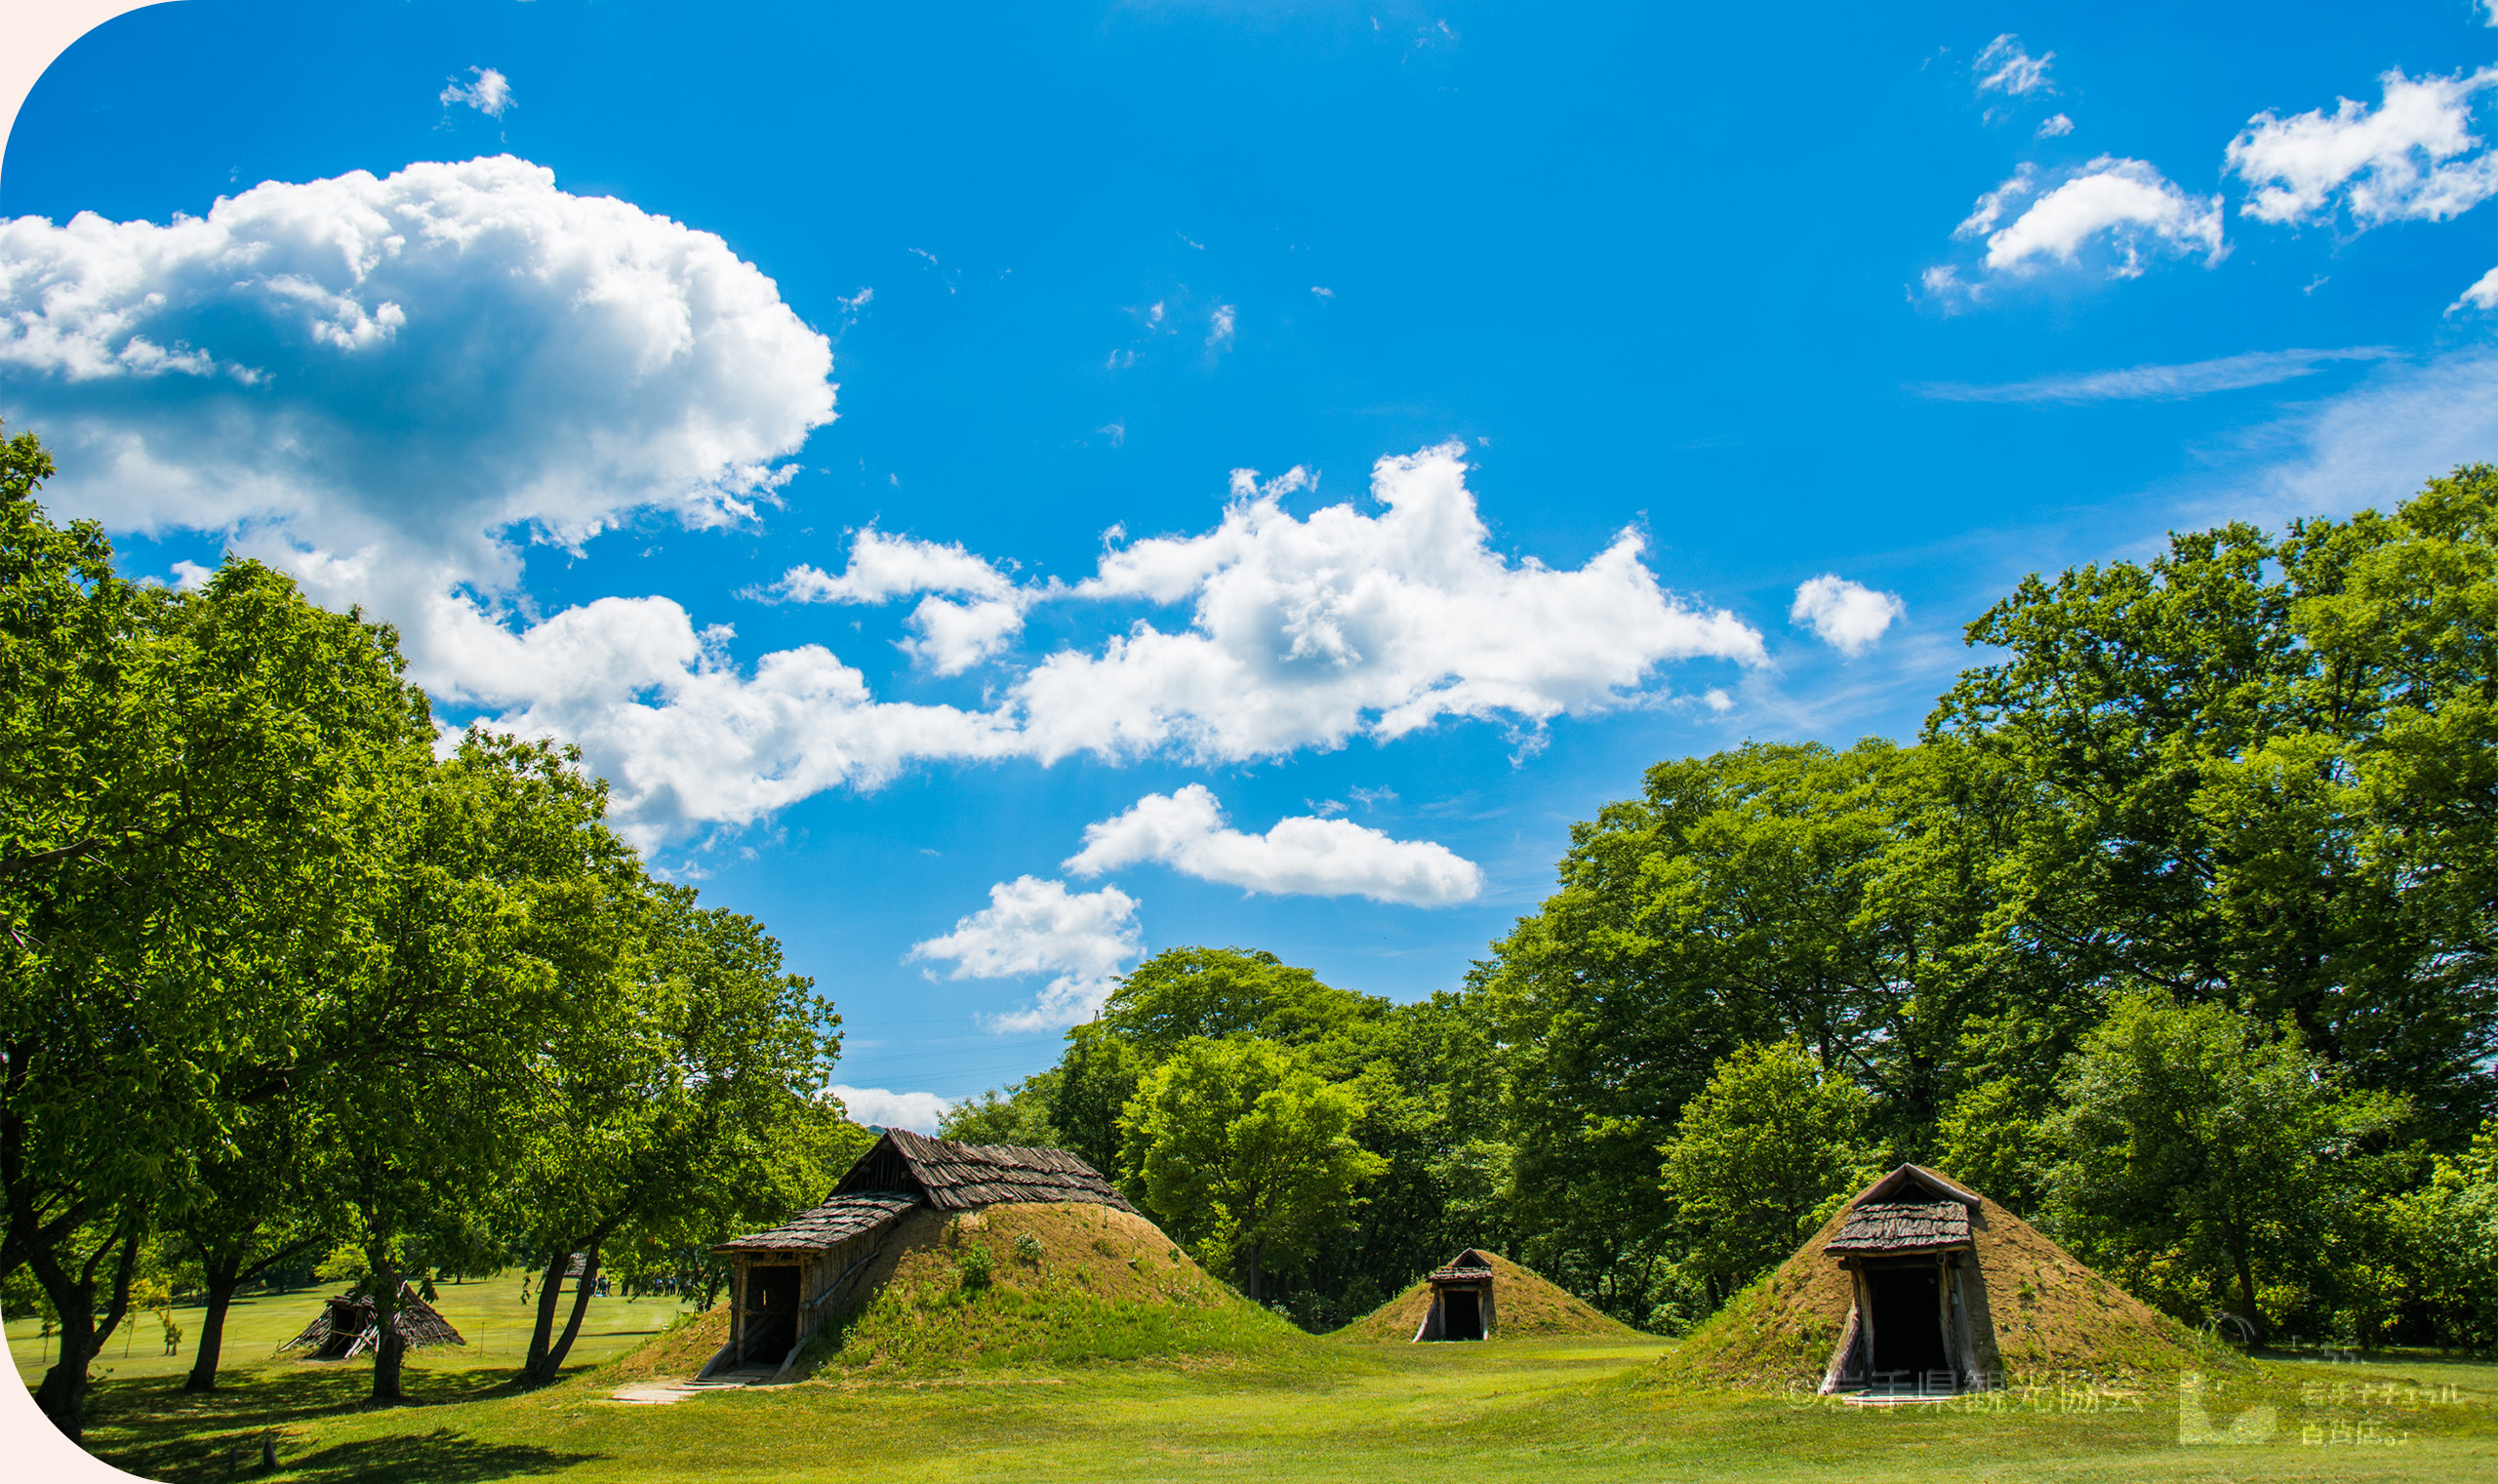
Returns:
(829,414)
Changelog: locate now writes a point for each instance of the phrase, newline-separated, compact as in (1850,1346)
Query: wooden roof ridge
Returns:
(1467,1267)
(964,1176)
(1900,1184)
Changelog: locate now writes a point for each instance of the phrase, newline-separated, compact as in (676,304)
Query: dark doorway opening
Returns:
(1462,1315)
(1907,1325)
(770,1312)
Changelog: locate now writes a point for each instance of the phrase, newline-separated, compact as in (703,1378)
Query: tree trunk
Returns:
(2246,1286)
(224,1276)
(1254,1250)
(389,1346)
(63,1396)
(555,1359)
(544,1330)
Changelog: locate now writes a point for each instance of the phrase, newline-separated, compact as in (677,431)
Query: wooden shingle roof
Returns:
(1903,1226)
(965,1177)
(1467,1267)
(827,1226)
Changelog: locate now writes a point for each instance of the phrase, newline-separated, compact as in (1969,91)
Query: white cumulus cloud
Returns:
(1304,855)
(1308,633)
(980,614)
(683,733)
(2056,128)
(380,383)
(889,1109)
(390,386)
(1849,617)
(490,94)
(2004,66)
(1032,926)
(2484,293)
(2119,211)
(2402,160)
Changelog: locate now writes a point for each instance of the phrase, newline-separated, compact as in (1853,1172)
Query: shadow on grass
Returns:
(157,1430)
(442,1456)
(439,1457)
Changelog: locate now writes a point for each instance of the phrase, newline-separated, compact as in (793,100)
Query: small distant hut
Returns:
(347,1327)
(786,1283)
(1461,1299)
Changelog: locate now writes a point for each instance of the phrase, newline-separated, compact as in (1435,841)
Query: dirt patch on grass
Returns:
(1525,1306)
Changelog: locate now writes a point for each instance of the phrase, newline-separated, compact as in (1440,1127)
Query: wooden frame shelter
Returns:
(788,1283)
(347,1327)
(1461,1301)
(1919,1299)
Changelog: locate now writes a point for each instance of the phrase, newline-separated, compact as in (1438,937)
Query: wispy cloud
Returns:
(2157,383)
(490,95)
(2375,444)
(2004,67)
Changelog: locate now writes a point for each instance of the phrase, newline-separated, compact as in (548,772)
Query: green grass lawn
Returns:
(1560,1410)
(488,1314)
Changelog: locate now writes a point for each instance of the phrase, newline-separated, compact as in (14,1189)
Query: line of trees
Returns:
(282,976)
(2172,930)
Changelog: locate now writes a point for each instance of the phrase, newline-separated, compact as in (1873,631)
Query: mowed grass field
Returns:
(488,1314)
(1509,1410)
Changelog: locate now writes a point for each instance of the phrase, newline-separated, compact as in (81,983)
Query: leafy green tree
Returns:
(2257,774)
(2209,1159)
(1240,1148)
(1760,1158)
(1430,1112)
(490,936)
(1184,993)
(181,777)
(1019,1114)
(253,1207)
(785,1162)
(1768,892)
(2450,1225)
(694,1046)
